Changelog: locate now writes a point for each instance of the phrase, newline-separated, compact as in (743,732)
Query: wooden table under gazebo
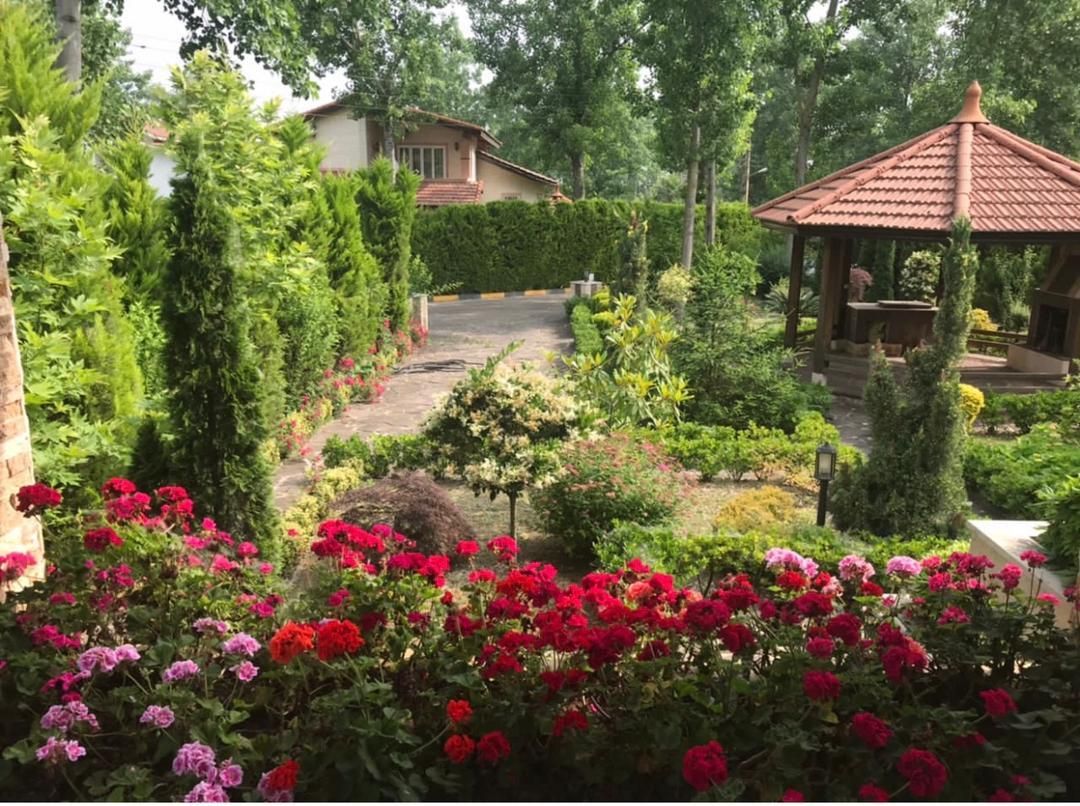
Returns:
(1012,190)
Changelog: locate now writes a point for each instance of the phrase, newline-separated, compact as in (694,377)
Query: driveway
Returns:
(463,335)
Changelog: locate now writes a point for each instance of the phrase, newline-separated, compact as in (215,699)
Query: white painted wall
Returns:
(501,184)
(162,170)
(345,140)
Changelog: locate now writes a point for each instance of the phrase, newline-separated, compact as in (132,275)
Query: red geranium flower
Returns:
(872,793)
(792,581)
(493,747)
(116,486)
(290,641)
(792,796)
(35,497)
(818,685)
(820,648)
(873,732)
(283,777)
(467,548)
(459,711)
(925,774)
(100,539)
(846,627)
(736,636)
(705,766)
(871,589)
(997,702)
(459,748)
(1035,559)
(1001,796)
(571,720)
(337,638)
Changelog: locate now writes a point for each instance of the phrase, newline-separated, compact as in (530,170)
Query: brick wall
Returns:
(16,466)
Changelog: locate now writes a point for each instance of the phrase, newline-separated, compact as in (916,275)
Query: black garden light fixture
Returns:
(824,472)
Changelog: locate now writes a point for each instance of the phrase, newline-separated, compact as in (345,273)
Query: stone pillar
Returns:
(16,466)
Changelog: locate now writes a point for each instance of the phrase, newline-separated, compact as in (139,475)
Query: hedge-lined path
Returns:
(463,335)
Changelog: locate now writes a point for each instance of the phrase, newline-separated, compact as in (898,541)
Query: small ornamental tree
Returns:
(500,427)
(913,481)
(216,389)
(919,276)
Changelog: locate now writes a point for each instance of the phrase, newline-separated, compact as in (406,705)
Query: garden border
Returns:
(535,292)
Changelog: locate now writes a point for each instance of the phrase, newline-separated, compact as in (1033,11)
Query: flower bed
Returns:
(162,660)
(351,381)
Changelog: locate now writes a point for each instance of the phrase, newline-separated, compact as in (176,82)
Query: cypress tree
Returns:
(387,203)
(633,275)
(912,482)
(216,400)
(354,273)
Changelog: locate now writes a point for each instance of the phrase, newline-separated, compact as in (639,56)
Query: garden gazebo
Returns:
(1012,190)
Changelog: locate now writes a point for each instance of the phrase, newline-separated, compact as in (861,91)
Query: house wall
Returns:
(162,170)
(501,184)
(460,148)
(345,140)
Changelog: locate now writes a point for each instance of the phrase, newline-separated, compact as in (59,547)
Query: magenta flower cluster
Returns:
(57,751)
(64,717)
(195,758)
(241,644)
(180,670)
(160,716)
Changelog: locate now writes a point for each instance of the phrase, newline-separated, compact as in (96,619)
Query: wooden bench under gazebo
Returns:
(1012,190)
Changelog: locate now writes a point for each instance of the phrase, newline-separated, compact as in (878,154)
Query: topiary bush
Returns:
(604,480)
(413,504)
(587,338)
(761,508)
(972,401)
(919,276)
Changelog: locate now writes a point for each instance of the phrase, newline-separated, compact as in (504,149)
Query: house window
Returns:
(428,161)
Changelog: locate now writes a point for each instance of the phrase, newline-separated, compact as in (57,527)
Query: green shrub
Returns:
(1061,506)
(1010,474)
(379,455)
(601,481)
(1027,411)
(632,382)
(587,338)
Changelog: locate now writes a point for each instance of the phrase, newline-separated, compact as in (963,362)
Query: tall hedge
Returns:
(514,245)
(212,370)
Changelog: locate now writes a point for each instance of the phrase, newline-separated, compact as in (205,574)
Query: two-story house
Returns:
(453,157)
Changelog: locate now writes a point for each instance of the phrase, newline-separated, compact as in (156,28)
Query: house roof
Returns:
(521,170)
(155,133)
(474,128)
(1005,184)
(440,192)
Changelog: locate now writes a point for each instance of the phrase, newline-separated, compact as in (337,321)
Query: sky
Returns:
(155,47)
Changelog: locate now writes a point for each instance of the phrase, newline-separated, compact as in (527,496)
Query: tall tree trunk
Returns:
(389,149)
(710,202)
(69,31)
(746,174)
(808,104)
(577,175)
(690,206)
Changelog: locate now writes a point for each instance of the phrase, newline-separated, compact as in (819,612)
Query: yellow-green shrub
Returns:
(972,402)
(756,509)
(980,320)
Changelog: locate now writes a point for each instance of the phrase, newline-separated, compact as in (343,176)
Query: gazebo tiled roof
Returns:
(1005,184)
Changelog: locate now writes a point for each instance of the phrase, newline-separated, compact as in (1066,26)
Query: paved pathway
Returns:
(463,335)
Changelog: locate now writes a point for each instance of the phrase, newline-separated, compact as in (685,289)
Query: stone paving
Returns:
(463,335)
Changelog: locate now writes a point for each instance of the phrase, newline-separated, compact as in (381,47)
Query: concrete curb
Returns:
(536,292)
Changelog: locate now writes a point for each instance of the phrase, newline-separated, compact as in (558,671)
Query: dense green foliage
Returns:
(514,246)
(913,480)
(736,374)
(212,369)
(1061,507)
(1027,411)
(1010,473)
(380,455)
(83,385)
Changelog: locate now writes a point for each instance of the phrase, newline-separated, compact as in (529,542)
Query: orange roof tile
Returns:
(1003,183)
(440,192)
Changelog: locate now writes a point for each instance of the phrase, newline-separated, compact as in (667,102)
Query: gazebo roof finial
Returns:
(971,113)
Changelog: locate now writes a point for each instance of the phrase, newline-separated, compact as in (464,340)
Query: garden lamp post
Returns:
(824,472)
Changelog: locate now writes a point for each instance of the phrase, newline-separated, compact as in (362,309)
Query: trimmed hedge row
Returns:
(587,338)
(516,246)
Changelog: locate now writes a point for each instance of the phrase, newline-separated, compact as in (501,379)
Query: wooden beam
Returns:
(831,258)
(795,278)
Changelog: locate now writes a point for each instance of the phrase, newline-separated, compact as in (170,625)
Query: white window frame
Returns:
(409,154)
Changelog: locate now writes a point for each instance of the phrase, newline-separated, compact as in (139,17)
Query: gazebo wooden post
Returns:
(795,278)
(831,255)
